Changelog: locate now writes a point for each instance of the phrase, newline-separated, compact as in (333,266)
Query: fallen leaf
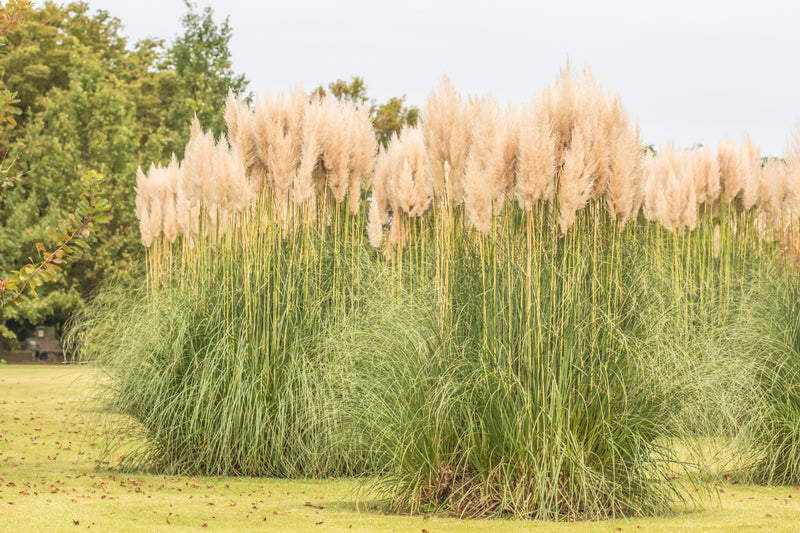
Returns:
(309,504)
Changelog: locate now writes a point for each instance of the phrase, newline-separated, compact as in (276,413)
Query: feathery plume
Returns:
(670,194)
(155,179)
(447,128)
(374,227)
(774,189)
(705,169)
(400,185)
(143,207)
(279,128)
(168,198)
(792,158)
(625,178)
(310,153)
(240,121)
(536,163)
(363,149)
(576,182)
(751,172)
(407,184)
(730,171)
(489,176)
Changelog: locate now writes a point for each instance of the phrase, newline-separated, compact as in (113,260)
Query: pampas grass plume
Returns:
(142,205)
(625,180)
(576,178)
(751,172)
(730,170)
(536,160)
(447,128)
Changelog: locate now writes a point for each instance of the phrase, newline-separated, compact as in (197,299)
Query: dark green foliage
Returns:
(90,103)
(202,63)
(69,236)
(388,118)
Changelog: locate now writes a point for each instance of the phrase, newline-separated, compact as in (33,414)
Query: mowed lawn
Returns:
(50,481)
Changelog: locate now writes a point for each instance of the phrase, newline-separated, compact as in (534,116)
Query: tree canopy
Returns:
(89,102)
(387,118)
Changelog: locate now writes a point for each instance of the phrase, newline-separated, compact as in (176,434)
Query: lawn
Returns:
(50,481)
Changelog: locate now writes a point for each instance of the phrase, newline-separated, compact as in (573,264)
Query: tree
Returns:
(74,231)
(387,119)
(92,103)
(202,63)
(12,15)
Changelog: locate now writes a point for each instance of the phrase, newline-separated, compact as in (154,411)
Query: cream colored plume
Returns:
(536,160)
(447,128)
(335,146)
(340,141)
(169,198)
(400,185)
(731,173)
(155,202)
(143,199)
(374,226)
(774,190)
(670,189)
(379,206)
(561,104)
(187,215)
(577,102)
(198,164)
(705,169)
(240,121)
(576,181)
(232,192)
(279,130)
(363,150)
(792,158)
(489,176)
(156,179)
(625,181)
(382,177)
(751,171)
(312,141)
(577,98)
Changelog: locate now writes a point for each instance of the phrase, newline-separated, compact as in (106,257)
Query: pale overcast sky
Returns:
(689,71)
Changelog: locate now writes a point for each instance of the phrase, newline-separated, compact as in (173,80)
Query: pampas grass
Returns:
(447,127)
(554,315)
(536,160)
(576,179)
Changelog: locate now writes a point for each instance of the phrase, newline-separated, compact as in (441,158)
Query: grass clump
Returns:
(219,367)
(551,323)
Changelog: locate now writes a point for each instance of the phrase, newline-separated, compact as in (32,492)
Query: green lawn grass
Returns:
(50,481)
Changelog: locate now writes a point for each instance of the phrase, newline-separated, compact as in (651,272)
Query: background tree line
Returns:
(88,100)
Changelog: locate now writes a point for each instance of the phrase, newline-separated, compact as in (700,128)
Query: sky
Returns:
(688,71)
